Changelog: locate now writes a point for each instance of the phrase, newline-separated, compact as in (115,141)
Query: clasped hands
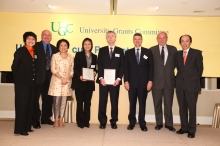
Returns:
(149,85)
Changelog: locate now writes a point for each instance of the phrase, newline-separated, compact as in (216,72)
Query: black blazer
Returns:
(104,62)
(138,74)
(164,75)
(79,63)
(191,72)
(41,61)
(24,68)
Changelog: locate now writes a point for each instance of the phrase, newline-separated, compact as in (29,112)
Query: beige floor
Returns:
(71,135)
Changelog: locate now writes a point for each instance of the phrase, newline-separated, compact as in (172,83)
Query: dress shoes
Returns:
(49,122)
(171,128)
(143,128)
(191,135)
(80,126)
(158,127)
(37,125)
(24,133)
(114,126)
(181,131)
(87,126)
(102,126)
(30,130)
(130,127)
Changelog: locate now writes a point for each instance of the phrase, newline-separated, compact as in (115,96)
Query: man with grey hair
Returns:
(44,51)
(109,57)
(164,81)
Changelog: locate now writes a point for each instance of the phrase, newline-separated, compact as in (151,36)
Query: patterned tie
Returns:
(47,57)
(137,56)
(162,54)
(184,57)
(111,53)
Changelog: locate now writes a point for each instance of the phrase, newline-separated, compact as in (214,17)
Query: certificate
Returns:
(109,76)
(87,74)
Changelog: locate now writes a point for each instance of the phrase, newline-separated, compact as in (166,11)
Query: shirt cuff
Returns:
(119,79)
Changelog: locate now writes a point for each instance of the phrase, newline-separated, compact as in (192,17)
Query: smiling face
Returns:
(46,36)
(162,38)
(30,41)
(185,42)
(87,46)
(63,47)
(137,40)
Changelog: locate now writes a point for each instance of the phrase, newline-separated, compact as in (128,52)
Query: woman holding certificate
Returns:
(60,84)
(83,81)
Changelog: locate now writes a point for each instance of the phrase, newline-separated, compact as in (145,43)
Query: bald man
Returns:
(164,81)
(44,50)
(189,63)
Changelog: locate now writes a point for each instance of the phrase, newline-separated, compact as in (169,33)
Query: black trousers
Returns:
(165,96)
(103,99)
(187,109)
(83,98)
(47,101)
(141,95)
(24,103)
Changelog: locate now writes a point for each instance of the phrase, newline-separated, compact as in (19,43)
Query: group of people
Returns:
(41,68)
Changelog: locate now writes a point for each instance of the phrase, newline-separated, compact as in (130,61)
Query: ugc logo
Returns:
(62,28)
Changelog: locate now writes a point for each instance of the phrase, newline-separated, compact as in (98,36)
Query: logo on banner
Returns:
(61,28)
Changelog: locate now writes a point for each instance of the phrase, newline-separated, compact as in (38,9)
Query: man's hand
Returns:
(116,82)
(149,85)
(127,86)
(102,81)
(81,78)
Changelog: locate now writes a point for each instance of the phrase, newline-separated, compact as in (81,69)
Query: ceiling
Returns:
(121,7)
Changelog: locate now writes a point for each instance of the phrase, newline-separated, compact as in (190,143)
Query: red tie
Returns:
(184,57)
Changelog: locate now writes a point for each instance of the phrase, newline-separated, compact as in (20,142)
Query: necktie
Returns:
(47,57)
(137,56)
(162,54)
(111,53)
(184,57)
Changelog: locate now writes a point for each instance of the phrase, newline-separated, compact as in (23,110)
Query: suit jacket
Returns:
(24,68)
(136,74)
(41,61)
(79,63)
(104,62)
(191,72)
(164,74)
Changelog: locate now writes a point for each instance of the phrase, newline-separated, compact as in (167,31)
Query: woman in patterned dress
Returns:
(60,84)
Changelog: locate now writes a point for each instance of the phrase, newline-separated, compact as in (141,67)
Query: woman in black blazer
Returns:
(24,70)
(84,88)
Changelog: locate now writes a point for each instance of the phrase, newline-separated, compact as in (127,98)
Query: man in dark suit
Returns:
(138,77)
(44,50)
(189,63)
(164,81)
(109,57)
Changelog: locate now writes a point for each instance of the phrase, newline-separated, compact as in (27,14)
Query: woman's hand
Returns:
(64,81)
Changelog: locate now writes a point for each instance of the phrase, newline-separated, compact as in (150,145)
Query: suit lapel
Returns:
(84,59)
(169,52)
(141,56)
(189,57)
(134,55)
(158,54)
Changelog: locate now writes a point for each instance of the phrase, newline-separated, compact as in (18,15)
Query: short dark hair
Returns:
(62,40)
(137,34)
(190,38)
(27,34)
(87,39)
